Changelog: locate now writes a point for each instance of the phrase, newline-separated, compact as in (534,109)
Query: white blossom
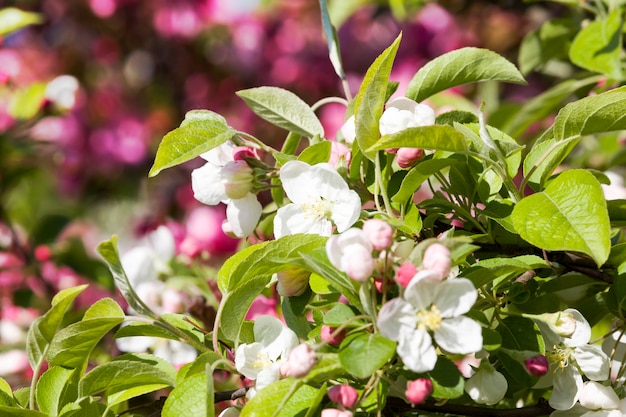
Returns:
(223,180)
(319,196)
(260,361)
(402,113)
(351,252)
(567,337)
(431,306)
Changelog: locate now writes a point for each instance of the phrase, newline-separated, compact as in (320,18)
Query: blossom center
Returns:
(317,208)
(262,361)
(561,356)
(429,319)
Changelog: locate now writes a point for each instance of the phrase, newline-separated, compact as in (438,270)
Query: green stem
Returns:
(328,100)
(381,187)
(257,142)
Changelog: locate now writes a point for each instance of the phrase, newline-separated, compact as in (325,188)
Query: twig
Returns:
(230,395)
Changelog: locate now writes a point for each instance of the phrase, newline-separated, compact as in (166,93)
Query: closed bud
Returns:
(537,365)
(292,282)
(437,259)
(405,273)
(326,333)
(407,157)
(417,391)
(334,412)
(343,395)
(379,233)
(299,362)
(238,178)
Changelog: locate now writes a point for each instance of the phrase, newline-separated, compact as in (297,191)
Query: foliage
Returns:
(474,245)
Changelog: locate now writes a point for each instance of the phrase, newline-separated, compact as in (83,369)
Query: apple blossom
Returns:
(348,130)
(260,361)
(418,390)
(567,336)
(149,258)
(300,361)
(595,396)
(222,179)
(319,197)
(173,351)
(402,113)
(487,386)
(437,259)
(351,252)
(379,233)
(431,306)
(343,395)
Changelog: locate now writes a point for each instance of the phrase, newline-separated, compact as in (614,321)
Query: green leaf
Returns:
(463,66)
(201,131)
(12,19)
(338,315)
(544,158)
(363,354)
(283,109)
(6,411)
(284,398)
(43,329)
(418,174)
(520,333)
(198,365)
(26,102)
(51,388)
(265,259)
(124,379)
(235,305)
(72,345)
(108,251)
(87,407)
(552,40)
(370,101)
(314,154)
(333,42)
(438,137)
(489,270)
(598,46)
(595,114)
(190,398)
(571,214)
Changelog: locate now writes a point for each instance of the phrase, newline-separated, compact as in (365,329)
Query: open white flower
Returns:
(319,197)
(149,258)
(568,350)
(431,306)
(224,180)
(260,361)
(402,113)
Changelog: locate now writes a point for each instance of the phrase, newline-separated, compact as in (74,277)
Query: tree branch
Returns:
(540,409)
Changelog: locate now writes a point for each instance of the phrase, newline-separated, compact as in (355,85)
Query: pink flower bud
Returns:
(339,151)
(292,282)
(379,233)
(407,157)
(405,273)
(238,178)
(348,130)
(537,365)
(333,412)
(241,153)
(299,362)
(343,395)
(417,391)
(437,259)
(43,253)
(326,335)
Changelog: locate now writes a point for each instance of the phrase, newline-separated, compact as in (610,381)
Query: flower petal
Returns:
(207,184)
(277,338)
(297,179)
(268,376)
(421,290)
(290,219)
(248,359)
(243,214)
(455,297)
(595,396)
(582,331)
(346,209)
(394,316)
(566,388)
(593,362)
(417,351)
(459,335)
